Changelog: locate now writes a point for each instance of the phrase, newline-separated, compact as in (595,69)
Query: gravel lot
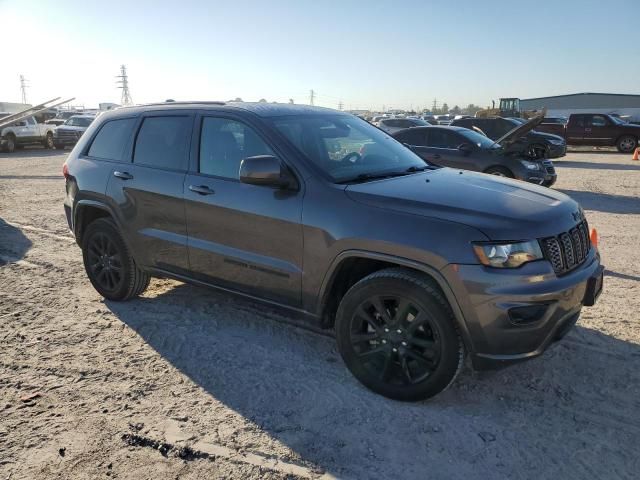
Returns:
(188,383)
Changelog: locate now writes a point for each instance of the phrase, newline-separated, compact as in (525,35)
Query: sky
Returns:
(364,54)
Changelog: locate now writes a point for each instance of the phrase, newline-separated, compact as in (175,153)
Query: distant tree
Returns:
(291,101)
(445,108)
(456,110)
(238,99)
(262,100)
(471,109)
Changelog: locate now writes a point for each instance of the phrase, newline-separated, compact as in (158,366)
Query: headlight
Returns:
(530,165)
(557,142)
(507,255)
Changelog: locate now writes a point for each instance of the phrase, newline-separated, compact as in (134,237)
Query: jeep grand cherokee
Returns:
(414,267)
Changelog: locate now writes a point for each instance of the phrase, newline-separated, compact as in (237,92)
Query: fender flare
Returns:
(403,262)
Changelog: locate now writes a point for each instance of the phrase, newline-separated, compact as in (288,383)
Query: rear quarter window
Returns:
(111,139)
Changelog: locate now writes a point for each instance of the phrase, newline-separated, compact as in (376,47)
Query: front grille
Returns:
(569,249)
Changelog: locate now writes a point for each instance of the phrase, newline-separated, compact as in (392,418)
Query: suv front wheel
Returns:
(109,264)
(396,334)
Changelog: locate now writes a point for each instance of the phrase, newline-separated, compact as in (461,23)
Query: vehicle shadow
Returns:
(13,243)
(591,151)
(604,202)
(292,384)
(598,166)
(622,276)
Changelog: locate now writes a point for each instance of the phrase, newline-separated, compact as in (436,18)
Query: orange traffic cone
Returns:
(636,154)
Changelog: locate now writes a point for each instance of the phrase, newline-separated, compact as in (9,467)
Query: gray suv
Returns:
(413,266)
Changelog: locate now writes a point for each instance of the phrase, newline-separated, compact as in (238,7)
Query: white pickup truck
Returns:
(25,132)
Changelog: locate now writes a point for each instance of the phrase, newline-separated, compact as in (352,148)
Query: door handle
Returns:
(201,189)
(587,129)
(123,175)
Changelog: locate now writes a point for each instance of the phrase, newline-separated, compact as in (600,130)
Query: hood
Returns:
(71,128)
(544,135)
(521,130)
(501,208)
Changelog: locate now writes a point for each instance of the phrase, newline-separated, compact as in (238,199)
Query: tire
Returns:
(109,264)
(500,171)
(10,144)
(48,141)
(59,146)
(383,347)
(535,151)
(627,144)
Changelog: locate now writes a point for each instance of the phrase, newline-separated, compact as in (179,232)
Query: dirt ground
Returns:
(188,383)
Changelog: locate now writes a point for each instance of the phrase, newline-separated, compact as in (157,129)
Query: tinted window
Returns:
(111,140)
(578,120)
(438,138)
(598,121)
(162,142)
(415,136)
(225,143)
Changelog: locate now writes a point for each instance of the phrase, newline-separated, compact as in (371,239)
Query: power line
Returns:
(124,85)
(23,88)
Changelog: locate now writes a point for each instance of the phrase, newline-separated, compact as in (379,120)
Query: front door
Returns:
(599,130)
(243,237)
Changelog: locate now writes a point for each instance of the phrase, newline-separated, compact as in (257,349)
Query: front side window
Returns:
(162,142)
(111,140)
(442,139)
(346,147)
(598,121)
(224,143)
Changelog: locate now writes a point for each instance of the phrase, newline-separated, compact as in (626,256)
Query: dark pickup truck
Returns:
(596,129)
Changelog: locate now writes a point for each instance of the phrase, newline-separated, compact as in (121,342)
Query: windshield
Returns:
(478,139)
(78,122)
(617,120)
(347,148)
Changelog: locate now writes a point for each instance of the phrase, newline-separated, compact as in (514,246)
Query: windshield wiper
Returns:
(365,177)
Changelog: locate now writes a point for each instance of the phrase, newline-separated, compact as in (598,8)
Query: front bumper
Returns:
(556,151)
(514,315)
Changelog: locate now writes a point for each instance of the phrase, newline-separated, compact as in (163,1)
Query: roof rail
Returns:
(173,102)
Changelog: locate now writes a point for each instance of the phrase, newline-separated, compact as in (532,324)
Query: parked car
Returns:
(430,119)
(444,119)
(533,145)
(25,132)
(411,266)
(391,125)
(71,131)
(598,129)
(459,147)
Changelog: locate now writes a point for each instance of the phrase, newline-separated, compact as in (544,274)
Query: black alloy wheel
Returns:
(105,262)
(397,335)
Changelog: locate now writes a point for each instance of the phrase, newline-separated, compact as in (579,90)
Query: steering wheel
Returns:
(347,158)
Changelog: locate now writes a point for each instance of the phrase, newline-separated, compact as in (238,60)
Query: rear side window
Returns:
(163,142)
(111,140)
(442,139)
(413,137)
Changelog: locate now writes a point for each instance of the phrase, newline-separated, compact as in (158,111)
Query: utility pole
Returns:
(435,106)
(340,105)
(312,96)
(23,88)
(124,85)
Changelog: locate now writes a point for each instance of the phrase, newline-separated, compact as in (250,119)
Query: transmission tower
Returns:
(23,88)
(312,96)
(124,85)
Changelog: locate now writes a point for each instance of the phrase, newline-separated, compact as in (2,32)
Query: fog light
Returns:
(528,314)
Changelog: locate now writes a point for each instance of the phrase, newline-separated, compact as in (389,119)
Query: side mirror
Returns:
(465,148)
(265,170)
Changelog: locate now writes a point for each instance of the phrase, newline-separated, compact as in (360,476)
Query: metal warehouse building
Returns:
(564,105)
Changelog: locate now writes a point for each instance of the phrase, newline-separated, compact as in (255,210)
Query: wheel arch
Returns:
(352,265)
(85,212)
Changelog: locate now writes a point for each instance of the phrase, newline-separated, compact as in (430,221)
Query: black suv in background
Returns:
(533,145)
(412,266)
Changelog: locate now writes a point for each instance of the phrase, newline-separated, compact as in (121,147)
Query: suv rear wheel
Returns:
(396,334)
(109,264)
(499,171)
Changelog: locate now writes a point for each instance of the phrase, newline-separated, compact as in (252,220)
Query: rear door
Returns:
(575,133)
(244,237)
(147,190)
